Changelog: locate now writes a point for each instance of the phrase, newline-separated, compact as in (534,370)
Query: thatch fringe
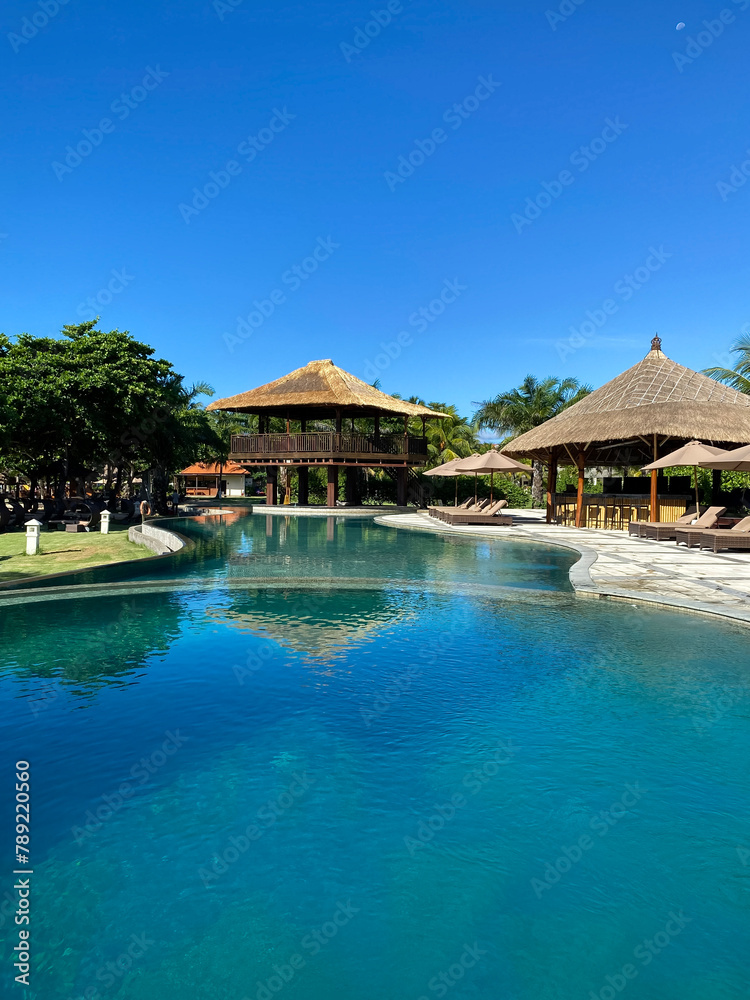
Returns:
(320,385)
(655,397)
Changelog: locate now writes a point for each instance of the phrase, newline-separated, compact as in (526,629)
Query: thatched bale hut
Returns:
(655,406)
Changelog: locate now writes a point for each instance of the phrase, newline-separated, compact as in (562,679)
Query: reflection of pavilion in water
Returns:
(323,625)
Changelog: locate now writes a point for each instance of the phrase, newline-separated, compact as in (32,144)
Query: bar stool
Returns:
(613,514)
(594,514)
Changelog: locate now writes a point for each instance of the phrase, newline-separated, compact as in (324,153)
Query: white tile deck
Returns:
(616,565)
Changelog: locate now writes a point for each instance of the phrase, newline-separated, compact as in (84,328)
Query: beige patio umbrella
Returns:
(492,462)
(449,469)
(736,460)
(693,453)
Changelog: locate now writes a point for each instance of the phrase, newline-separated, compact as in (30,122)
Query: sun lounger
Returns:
(469,502)
(737,537)
(491,515)
(447,513)
(638,528)
(664,532)
(489,511)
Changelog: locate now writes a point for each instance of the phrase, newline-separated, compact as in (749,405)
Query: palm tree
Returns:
(739,376)
(532,403)
(452,437)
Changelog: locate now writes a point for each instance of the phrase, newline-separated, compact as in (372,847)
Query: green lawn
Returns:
(60,551)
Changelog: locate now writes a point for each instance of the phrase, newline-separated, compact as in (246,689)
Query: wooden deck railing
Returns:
(324,443)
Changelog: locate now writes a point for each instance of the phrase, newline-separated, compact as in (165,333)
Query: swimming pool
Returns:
(322,758)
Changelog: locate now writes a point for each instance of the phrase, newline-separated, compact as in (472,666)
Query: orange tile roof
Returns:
(203,469)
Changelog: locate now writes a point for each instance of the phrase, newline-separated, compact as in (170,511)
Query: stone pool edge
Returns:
(580,572)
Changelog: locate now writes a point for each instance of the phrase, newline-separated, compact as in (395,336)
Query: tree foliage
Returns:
(71,406)
(739,376)
(516,411)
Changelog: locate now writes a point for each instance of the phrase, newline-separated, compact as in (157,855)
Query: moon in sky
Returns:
(680,26)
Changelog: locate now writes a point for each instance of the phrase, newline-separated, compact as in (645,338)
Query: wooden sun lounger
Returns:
(491,515)
(490,510)
(437,511)
(737,537)
(448,513)
(664,532)
(638,528)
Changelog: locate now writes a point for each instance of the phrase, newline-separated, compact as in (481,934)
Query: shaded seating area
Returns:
(641,415)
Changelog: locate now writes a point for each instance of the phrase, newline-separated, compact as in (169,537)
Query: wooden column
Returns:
(303,485)
(401,480)
(272,482)
(581,486)
(351,485)
(376,432)
(333,485)
(551,486)
(655,483)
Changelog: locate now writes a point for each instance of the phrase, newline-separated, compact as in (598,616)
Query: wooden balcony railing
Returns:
(325,444)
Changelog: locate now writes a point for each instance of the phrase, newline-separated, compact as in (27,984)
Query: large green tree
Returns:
(516,411)
(93,400)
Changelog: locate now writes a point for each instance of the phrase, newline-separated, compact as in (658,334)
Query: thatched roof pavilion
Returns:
(321,391)
(655,406)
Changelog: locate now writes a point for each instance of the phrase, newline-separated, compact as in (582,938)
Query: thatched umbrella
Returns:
(628,420)
(449,469)
(492,462)
(693,453)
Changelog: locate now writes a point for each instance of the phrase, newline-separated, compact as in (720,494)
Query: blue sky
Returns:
(298,118)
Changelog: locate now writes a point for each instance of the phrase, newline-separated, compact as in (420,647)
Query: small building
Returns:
(202,480)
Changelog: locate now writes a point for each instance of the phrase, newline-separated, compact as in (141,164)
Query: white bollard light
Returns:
(32,537)
(105,516)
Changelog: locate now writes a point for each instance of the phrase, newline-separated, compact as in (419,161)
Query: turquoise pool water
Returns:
(326,759)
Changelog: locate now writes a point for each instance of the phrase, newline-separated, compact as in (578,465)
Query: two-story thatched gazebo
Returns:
(322,392)
(651,409)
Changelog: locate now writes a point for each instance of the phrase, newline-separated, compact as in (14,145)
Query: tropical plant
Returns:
(450,438)
(535,401)
(739,376)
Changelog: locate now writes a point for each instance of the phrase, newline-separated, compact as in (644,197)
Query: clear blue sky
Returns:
(330,125)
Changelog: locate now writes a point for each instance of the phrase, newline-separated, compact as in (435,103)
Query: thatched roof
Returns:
(320,385)
(655,397)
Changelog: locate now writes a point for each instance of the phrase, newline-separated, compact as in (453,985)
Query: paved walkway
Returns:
(613,564)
